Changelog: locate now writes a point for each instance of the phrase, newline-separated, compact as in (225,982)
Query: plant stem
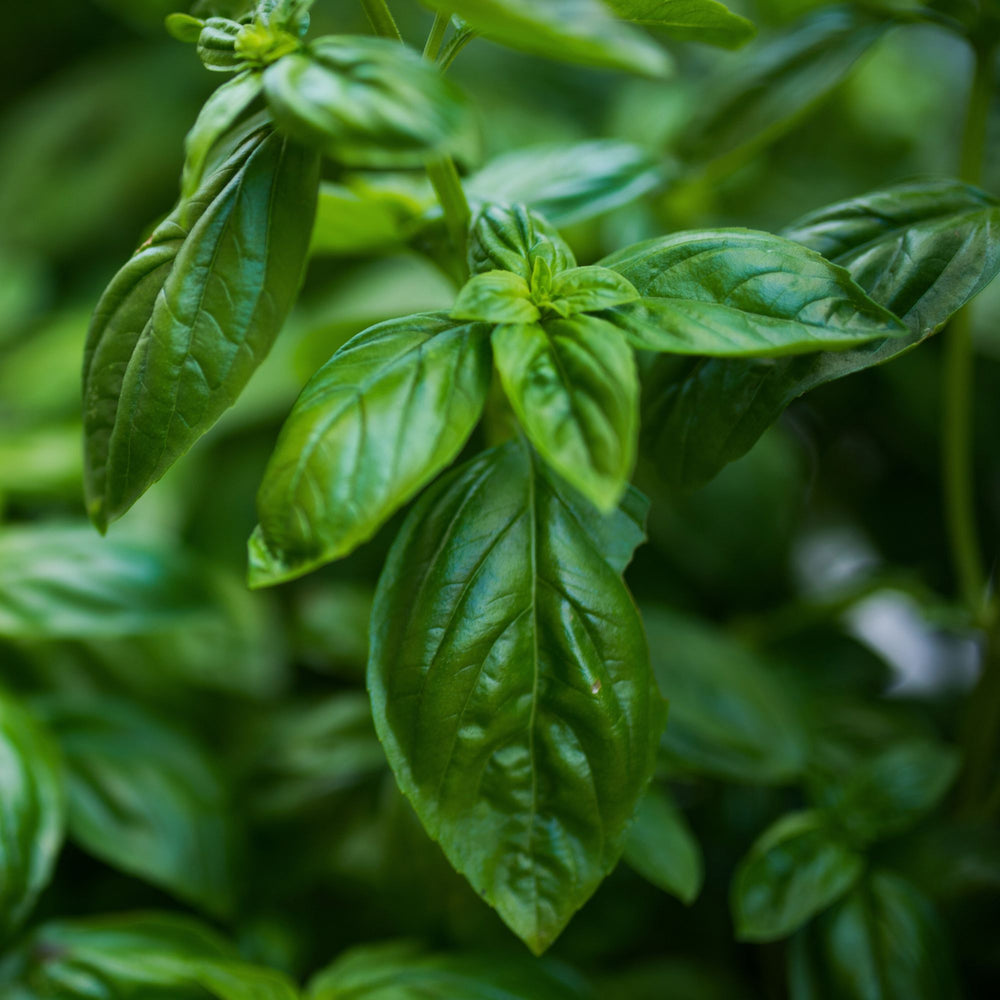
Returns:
(438,30)
(454,46)
(381,19)
(447,184)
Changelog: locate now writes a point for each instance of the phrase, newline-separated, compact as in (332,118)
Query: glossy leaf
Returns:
(390,410)
(160,814)
(733,292)
(217,45)
(185,323)
(513,238)
(366,102)
(32,812)
(729,716)
(510,686)
(689,20)
(662,849)
(574,388)
(495,297)
(589,289)
(572,30)
(796,869)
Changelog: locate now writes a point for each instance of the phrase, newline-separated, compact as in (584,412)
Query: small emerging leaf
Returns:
(184,28)
(513,238)
(589,289)
(495,297)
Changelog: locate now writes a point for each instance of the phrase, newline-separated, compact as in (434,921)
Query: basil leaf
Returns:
(153,956)
(217,45)
(33,812)
(574,387)
(161,814)
(185,323)
(496,297)
(689,20)
(731,292)
(581,31)
(922,250)
(184,28)
(367,102)
(569,183)
(511,689)
(796,869)
(589,289)
(729,715)
(662,849)
(403,972)
(218,115)
(386,414)
(513,238)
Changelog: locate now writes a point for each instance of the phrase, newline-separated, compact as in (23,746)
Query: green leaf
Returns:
(662,849)
(733,292)
(729,716)
(147,955)
(574,387)
(218,115)
(581,31)
(689,20)
(33,810)
(922,250)
(796,869)
(367,102)
(217,45)
(400,971)
(184,28)
(513,238)
(185,323)
(589,289)
(883,941)
(778,81)
(386,414)
(161,814)
(511,688)
(568,182)
(496,297)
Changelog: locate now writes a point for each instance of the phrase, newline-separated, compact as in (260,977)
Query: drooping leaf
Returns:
(514,238)
(689,20)
(185,323)
(733,292)
(32,811)
(572,30)
(574,388)
(367,102)
(145,798)
(511,688)
(796,869)
(390,410)
(662,849)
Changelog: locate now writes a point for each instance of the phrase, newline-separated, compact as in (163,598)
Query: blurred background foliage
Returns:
(218,744)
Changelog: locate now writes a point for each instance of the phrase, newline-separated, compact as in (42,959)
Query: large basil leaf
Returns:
(403,972)
(574,388)
(366,102)
(185,323)
(511,686)
(689,20)
(796,869)
(922,250)
(729,715)
(389,410)
(734,292)
(147,955)
(513,238)
(159,812)
(574,30)
(31,811)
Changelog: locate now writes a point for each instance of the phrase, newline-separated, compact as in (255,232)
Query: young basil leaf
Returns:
(367,102)
(689,20)
(511,687)
(796,869)
(218,115)
(184,28)
(386,414)
(512,238)
(589,289)
(217,45)
(733,292)
(574,30)
(161,814)
(574,387)
(662,849)
(145,955)
(185,323)
(31,791)
(496,297)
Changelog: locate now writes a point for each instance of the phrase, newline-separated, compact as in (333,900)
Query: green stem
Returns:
(455,45)
(438,30)
(447,184)
(381,19)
